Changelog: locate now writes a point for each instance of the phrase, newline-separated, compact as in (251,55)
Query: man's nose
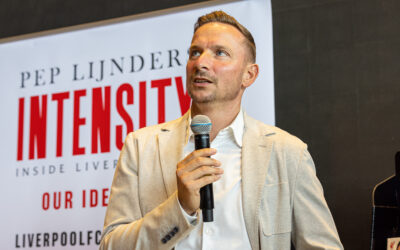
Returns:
(203,62)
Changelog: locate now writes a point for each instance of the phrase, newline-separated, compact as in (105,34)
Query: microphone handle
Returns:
(206,193)
(207,202)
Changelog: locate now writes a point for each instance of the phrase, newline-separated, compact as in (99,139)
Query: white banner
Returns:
(69,99)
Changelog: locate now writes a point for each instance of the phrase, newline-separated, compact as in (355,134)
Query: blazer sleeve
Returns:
(313,225)
(125,225)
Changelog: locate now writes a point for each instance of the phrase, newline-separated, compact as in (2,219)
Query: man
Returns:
(267,195)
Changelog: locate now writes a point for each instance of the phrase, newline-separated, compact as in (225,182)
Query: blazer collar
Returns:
(256,153)
(171,141)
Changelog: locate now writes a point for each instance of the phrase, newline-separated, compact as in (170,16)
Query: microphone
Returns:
(201,127)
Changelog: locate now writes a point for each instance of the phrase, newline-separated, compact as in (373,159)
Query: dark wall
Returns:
(336,85)
(26,16)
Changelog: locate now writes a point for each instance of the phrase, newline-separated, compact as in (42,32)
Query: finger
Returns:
(202,172)
(184,169)
(198,162)
(202,161)
(205,152)
(199,183)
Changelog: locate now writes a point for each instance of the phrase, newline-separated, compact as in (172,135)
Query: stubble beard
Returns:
(212,97)
(203,99)
(221,97)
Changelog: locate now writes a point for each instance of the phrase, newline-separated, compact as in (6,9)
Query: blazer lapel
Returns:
(171,141)
(256,152)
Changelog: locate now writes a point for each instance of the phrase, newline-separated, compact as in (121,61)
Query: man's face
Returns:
(216,65)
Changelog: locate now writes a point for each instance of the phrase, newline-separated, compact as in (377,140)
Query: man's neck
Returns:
(220,116)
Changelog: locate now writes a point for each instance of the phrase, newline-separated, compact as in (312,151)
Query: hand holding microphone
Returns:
(198,171)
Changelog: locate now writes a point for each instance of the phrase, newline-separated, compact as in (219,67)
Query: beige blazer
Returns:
(283,200)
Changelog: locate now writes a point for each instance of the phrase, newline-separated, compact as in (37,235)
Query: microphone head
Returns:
(200,124)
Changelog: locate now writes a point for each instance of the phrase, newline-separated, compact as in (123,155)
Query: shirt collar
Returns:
(237,127)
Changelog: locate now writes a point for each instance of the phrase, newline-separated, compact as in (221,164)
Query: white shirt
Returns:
(228,230)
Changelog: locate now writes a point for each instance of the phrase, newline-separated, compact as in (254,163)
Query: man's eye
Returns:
(221,53)
(194,53)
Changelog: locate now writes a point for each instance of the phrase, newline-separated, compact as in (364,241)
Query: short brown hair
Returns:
(222,17)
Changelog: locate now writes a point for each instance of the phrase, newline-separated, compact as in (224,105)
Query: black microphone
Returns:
(201,127)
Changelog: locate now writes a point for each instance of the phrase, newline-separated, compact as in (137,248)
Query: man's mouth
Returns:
(201,80)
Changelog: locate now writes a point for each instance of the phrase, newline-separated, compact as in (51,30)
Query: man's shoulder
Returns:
(280,137)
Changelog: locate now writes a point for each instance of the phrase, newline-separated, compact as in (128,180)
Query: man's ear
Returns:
(250,74)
